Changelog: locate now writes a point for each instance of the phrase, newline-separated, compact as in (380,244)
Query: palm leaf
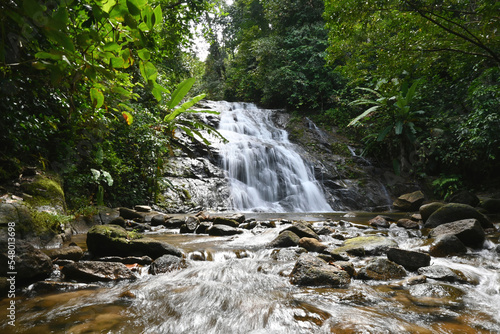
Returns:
(363,115)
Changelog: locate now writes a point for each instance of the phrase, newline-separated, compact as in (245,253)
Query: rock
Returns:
(223,230)
(173,223)
(452,212)
(74,253)
(325,230)
(226,221)
(312,271)
(382,270)
(361,246)
(130,214)
(347,266)
(105,240)
(441,273)
(268,224)
(302,230)
(409,202)
(190,225)
(167,263)
(240,218)
(158,220)
(416,217)
(331,256)
(285,239)
(497,249)
(92,271)
(143,260)
(120,221)
(46,193)
(31,263)
(464,197)
(408,224)
(408,259)
(414,280)
(492,205)
(142,208)
(312,245)
(447,245)
(379,221)
(427,210)
(431,295)
(203,228)
(469,231)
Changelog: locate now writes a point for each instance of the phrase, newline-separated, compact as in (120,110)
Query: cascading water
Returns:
(265,172)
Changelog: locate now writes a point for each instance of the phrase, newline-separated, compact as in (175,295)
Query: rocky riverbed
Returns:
(151,272)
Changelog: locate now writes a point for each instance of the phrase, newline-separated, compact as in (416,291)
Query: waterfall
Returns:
(265,172)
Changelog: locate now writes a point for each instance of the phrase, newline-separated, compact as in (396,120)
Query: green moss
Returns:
(44,223)
(44,190)
(341,149)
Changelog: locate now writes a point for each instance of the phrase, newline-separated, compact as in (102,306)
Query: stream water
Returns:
(243,287)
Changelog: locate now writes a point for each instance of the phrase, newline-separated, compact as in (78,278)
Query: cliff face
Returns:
(349,182)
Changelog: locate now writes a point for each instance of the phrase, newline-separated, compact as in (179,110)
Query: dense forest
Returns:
(96,90)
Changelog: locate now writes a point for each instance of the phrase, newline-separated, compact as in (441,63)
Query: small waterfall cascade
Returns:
(266,173)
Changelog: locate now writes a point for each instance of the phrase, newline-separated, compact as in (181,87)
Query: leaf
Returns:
(158,90)
(97,98)
(158,15)
(95,174)
(122,91)
(363,115)
(148,17)
(38,65)
(180,92)
(128,117)
(144,54)
(384,133)
(117,62)
(148,71)
(107,5)
(398,128)
(112,46)
(133,7)
(60,38)
(170,117)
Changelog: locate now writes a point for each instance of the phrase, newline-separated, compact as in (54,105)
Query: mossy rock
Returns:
(361,246)
(454,212)
(45,193)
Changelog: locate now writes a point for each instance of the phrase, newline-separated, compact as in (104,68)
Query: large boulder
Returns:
(285,239)
(312,245)
(427,210)
(302,230)
(382,270)
(167,263)
(464,197)
(469,231)
(312,271)
(379,221)
(492,205)
(409,202)
(190,225)
(72,252)
(454,211)
(447,245)
(30,263)
(106,240)
(410,260)
(366,245)
(228,221)
(442,273)
(223,230)
(92,271)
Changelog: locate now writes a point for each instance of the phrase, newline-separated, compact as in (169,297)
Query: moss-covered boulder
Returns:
(454,211)
(108,240)
(45,193)
(427,210)
(367,245)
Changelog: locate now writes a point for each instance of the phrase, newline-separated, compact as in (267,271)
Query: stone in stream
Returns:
(73,252)
(285,239)
(408,259)
(464,197)
(158,220)
(408,224)
(223,230)
(447,245)
(469,231)
(452,212)
(93,271)
(379,221)
(409,202)
(167,263)
(382,270)
(143,260)
(190,225)
(442,273)
(302,230)
(227,221)
(427,210)
(492,205)
(130,214)
(365,245)
(310,270)
(312,245)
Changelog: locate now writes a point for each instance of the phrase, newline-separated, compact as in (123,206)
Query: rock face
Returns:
(362,246)
(285,239)
(382,269)
(31,263)
(408,259)
(409,202)
(453,212)
(92,271)
(312,271)
(105,240)
(468,231)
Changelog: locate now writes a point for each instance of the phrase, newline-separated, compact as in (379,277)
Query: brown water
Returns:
(244,288)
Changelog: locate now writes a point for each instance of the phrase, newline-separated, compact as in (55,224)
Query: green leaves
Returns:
(97,98)
(180,92)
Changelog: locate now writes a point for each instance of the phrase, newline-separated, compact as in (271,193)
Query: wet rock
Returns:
(158,220)
(130,214)
(416,217)
(203,228)
(240,218)
(408,224)
(249,225)
(120,221)
(442,273)
(464,197)
(427,210)
(447,245)
(414,280)
(408,259)
(50,286)
(312,245)
(330,255)
(73,252)
(190,225)
(287,254)
(379,221)
(285,239)
(92,271)
(312,271)
(105,240)
(268,224)
(453,212)
(497,249)
(382,270)
(366,245)
(142,260)
(142,208)
(223,230)
(469,231)
(325,230)
(302,230)
(492,205)
(174,223)
(167,263)
(409,202)
(436,295)
(31,263)
(347,266)
(227,221)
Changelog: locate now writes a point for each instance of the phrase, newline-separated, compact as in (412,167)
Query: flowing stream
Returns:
(266,173)
(243,287)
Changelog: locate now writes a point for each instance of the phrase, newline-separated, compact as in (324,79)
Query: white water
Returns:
(265,172)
